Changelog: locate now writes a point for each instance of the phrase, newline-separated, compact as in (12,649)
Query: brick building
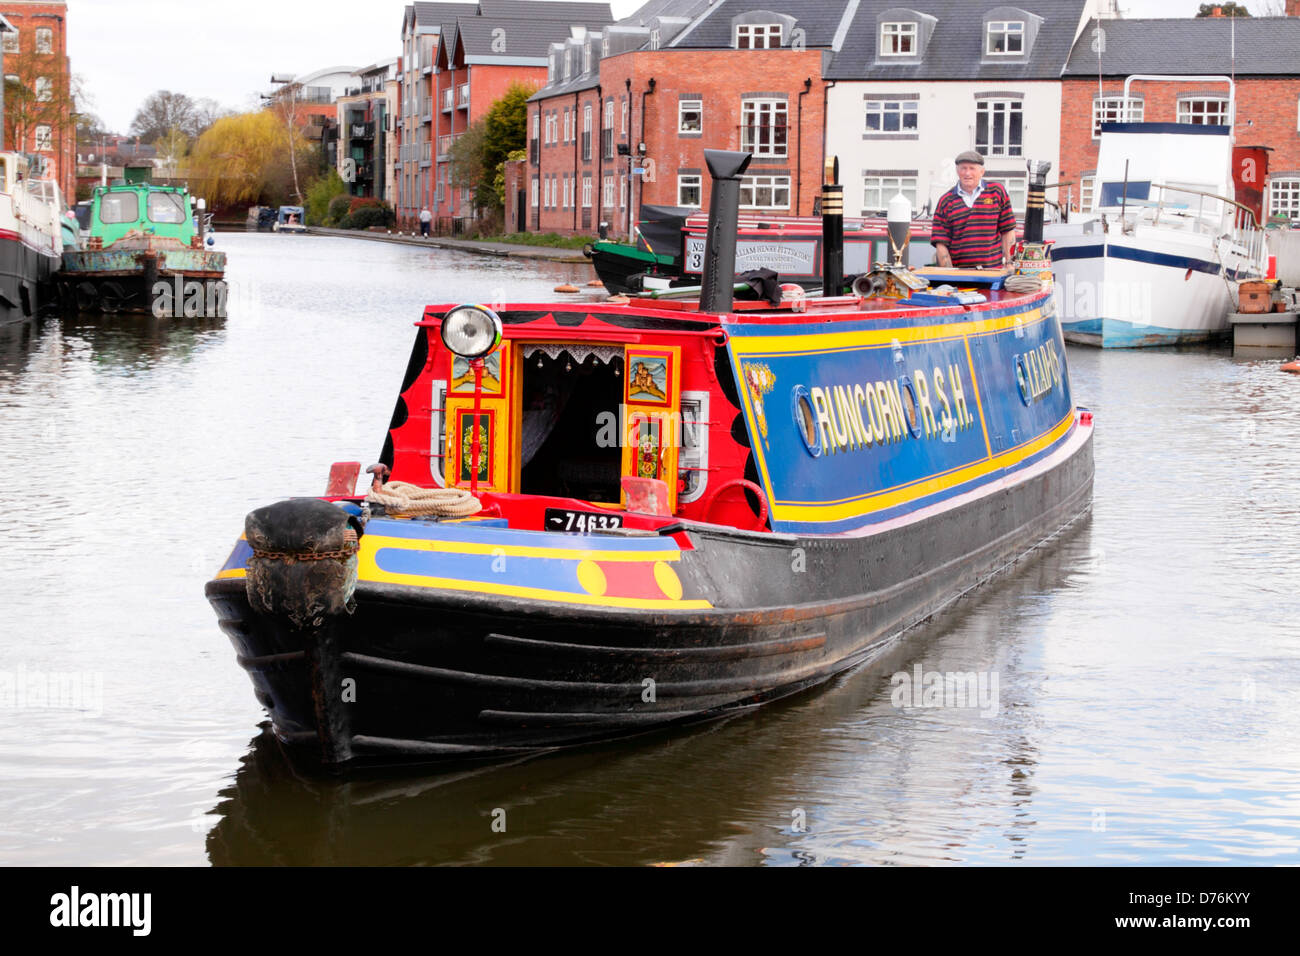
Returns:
(627,113)
(364,116)
(39,118)
(474,53)
(1260,53)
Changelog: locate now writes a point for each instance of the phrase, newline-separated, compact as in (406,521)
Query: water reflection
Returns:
(835,775)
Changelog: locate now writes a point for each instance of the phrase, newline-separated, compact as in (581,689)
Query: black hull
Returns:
(133,292)
(24,280)
(617,272)
(444,676)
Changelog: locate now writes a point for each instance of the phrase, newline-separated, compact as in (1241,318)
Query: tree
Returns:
(162,112)
(172,149)
(319,194)
(287,103)
(37,93)
(468,167)
(241,160)
(506,125)
(1228,10)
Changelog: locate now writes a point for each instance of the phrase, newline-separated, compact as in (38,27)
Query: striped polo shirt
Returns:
(973,234)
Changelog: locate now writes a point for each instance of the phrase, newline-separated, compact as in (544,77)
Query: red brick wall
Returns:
(1266,116)
(27,18)
(720,78)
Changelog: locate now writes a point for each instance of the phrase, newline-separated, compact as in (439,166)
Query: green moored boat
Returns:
(147,252)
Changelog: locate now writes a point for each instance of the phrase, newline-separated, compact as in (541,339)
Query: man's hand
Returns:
(1008,246)
(941,256)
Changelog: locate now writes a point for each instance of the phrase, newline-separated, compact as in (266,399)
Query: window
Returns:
(622,191)
(623,130)
(1284,197)
(607,198)
(586,192)
(1016,187)
(535,188)
(878,189)
(1111,109)
(44,89)
(758,36)
(1005,38)
(566,65)
(607,130)
(586,132)
(764,129)
(999,127)
(114,207)
(654,39)
(688,190)
(165,207)
(45,142)
(567,126)
(586,58)
(765,192)
(897,39)
(891,116)
(44,40)
(1087,188)
(11,42)
(690,116)
(1203,111)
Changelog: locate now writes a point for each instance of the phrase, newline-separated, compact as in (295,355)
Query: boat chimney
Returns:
(832,229)
(899,218)
(719,285)
(1038,170)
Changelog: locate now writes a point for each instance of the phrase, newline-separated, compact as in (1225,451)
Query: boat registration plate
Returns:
(581,522)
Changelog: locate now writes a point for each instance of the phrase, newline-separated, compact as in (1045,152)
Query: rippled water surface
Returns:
(1148,662)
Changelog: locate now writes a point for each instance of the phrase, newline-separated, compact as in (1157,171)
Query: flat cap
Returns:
(970,156)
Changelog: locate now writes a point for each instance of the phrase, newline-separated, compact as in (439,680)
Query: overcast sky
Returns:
(126,49)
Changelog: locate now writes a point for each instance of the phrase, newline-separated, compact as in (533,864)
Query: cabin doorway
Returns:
(570,443)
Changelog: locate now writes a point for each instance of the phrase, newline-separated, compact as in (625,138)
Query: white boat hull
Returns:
(1153,287)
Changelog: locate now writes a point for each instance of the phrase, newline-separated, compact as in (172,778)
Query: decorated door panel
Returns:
(652,400)
(497,426)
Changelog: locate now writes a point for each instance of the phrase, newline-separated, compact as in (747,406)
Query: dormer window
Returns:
(1005,38)
(567,60)
(758,36)
(654,39)
(586,59)
(898,39)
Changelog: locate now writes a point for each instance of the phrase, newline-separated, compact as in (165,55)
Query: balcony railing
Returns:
(462,97)
(448,99)
(362,131)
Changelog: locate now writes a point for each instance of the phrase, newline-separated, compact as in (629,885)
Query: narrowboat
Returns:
(146,252)
(591,520)
(290,219)
(31,237)
(669,251)
(1155,260)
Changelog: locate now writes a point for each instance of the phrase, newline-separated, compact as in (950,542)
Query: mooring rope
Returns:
(404,498)
(1022,284)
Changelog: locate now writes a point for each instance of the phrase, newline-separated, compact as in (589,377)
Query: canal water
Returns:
(1141,695)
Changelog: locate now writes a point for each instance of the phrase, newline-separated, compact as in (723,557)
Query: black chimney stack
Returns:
(1038,170)
(832,229)
(726,168)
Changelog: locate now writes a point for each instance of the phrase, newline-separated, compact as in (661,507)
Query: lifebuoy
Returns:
(747,485)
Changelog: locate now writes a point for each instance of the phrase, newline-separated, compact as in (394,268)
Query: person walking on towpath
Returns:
(425,218)
(973,226)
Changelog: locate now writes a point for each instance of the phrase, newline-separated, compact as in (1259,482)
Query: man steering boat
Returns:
(974,226)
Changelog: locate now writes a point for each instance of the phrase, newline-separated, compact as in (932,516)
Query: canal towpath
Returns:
(504,249)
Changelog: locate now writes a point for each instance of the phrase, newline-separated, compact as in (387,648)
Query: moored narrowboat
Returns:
(146,252)
(592,520)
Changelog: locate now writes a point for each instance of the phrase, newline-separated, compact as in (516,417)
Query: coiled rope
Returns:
(1022,284)
(403,498)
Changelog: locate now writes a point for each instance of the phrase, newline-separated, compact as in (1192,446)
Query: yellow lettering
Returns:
(959,397)
(895,392)
(892,430)
(875,414)
(844,417)
(923,401)
(823,419)
(859,396)
(945,420)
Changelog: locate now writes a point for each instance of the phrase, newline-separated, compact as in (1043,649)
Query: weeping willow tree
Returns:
(245,159)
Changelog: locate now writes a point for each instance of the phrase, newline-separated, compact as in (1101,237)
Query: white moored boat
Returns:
(1153,262)
(31,239)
